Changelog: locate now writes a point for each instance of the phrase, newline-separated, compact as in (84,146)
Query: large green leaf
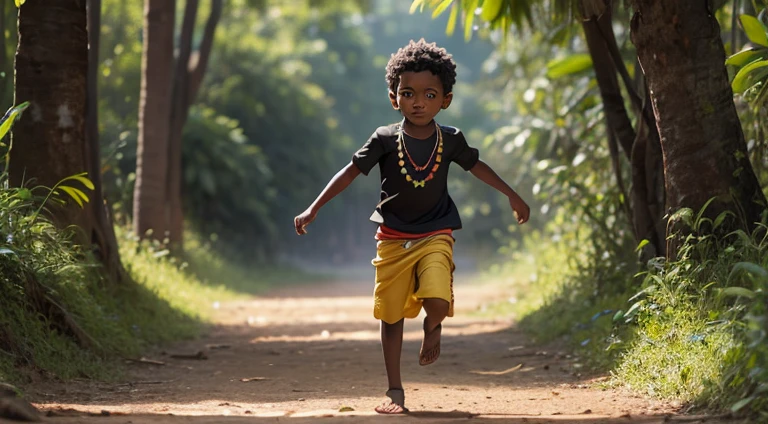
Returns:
(755,30)
(491,9)
(746,57)
(569,65)
(749,75)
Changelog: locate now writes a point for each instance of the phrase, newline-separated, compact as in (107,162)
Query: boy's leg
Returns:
(437,310)
(392,345)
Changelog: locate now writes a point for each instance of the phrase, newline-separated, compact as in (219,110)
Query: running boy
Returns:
(416,216)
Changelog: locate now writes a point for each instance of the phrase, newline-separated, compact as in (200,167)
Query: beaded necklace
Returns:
(402,152)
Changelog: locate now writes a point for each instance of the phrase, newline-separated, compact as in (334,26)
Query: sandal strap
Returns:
(397,396)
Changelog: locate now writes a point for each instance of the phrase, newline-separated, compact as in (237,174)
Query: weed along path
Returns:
(311,353)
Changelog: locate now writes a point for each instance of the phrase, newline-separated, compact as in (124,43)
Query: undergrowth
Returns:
(693,329)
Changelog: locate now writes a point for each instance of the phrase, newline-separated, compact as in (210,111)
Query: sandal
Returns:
(427,357)
(395,404)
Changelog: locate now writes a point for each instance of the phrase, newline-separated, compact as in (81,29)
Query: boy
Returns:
(416,216)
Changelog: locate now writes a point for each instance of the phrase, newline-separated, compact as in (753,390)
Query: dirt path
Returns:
(311,354)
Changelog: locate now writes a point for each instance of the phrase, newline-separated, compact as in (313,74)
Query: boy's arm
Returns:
(484,173)
(338,183)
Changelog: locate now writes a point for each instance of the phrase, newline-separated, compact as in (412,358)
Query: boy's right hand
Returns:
(301,221)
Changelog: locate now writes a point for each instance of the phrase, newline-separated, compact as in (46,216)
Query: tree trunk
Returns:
(190,70)
(8,18)
(51,73)
(601,43)
(149,197)
(705,156)
(103,234)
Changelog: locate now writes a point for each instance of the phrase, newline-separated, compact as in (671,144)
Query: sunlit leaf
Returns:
(641,245)
(569,65)
(86,182)
(754,29)
(490,10)
(451,26)
(746,57)
(19,2)
(749,75)
(10,116)
(441,8)
(469,20)
(417,4)
(75,194)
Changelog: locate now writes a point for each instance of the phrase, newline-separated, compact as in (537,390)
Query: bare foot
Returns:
(430,346)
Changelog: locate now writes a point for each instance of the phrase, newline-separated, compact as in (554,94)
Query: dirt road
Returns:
(311,354)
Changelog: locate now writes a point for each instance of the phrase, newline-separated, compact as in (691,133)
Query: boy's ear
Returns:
(447,100)
(393,100)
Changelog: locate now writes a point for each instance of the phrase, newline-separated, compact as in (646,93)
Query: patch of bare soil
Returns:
(311,353)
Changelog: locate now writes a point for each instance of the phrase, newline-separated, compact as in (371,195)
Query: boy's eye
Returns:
(406,94)
(431,95)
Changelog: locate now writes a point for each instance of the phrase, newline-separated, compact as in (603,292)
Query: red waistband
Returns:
(385,233)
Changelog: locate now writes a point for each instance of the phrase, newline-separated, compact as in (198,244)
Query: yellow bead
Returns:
(439,158)
(439,150)
(408,177)
(401,163)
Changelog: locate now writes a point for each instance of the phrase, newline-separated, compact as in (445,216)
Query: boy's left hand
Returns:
(522,210)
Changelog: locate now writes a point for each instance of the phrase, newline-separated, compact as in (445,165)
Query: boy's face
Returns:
(420,97)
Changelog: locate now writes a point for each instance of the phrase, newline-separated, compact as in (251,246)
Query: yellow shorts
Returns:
(406,275)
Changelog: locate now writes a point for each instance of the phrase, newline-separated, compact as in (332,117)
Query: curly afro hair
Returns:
(422,56)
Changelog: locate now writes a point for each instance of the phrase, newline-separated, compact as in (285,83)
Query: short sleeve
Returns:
(465,156)
(368,155)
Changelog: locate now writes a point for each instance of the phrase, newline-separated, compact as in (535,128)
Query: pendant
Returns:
(418,183)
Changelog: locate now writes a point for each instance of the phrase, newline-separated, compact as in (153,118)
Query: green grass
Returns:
(692,330)
(171,299)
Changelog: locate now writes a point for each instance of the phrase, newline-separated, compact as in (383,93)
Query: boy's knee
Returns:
(436,305)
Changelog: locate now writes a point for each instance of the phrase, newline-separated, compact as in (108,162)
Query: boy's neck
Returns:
(419,131)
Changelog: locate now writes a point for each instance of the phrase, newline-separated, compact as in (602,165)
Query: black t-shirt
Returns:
(404,207)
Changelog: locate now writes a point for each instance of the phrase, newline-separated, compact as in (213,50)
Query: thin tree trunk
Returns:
(103,235)
(149,212)
(705,156)
(601,42)
(178,119)
(8,17)
(190,70)
(51,73)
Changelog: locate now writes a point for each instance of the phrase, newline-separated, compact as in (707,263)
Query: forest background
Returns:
(265,100)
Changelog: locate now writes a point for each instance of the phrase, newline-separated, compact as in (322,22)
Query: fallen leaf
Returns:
(507,371)
(346,409)
(245,380)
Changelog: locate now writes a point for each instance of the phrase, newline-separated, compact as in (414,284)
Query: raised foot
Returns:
(430,346)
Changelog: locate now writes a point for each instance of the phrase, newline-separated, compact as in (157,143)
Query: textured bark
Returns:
(51,73)
(190,70)
(103,234)
(705,156)
(149,198)
(608,84)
